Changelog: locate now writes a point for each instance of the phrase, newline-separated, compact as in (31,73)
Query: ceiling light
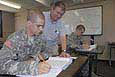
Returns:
(44,2)
(10,4)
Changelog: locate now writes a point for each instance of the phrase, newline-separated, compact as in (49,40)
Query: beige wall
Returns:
(20,19)
(8,24)
(108,27)
(108,23)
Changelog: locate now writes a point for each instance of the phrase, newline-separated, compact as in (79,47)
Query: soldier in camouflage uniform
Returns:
(19,55)
(75,41)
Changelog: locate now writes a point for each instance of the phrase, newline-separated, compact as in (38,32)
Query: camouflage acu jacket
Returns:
(23,48)
(74,41)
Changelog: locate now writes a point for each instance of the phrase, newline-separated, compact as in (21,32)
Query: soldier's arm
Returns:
(13,43)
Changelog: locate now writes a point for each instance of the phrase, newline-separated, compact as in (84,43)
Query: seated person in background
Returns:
(19,55)
(75,41)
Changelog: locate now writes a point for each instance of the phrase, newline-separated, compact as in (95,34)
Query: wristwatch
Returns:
(64,50)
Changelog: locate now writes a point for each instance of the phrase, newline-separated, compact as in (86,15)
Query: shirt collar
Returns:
(49,18)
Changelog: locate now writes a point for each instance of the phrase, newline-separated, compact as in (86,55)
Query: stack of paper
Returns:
(57,65)
(89,49)
(59,62)
(51,73)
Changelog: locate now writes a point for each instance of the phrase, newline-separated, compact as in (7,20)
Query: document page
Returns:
(57,65)
(59,62)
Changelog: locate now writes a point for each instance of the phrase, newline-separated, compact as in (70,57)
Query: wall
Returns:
(108,27)
(20,19)
(7,23)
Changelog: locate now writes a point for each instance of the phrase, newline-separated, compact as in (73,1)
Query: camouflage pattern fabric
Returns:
(74,41)
(22,57)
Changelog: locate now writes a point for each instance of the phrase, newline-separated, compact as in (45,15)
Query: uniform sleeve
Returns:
(39,46)
(72,41)
(17,48)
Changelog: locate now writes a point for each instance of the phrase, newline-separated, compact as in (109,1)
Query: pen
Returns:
(40,56)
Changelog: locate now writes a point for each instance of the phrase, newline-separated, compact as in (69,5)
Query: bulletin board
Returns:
(90,17)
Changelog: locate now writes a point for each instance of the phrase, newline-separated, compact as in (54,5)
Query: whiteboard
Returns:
(90,17)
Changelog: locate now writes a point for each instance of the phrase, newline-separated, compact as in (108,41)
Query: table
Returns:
(75,67)
(92,54)
(71,71)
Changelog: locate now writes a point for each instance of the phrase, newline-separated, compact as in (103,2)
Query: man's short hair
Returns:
(31,15)
(59,4)
(79,27)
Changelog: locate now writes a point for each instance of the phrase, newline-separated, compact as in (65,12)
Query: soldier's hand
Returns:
(43,67)
(64,54)
(85,46)
(8,43)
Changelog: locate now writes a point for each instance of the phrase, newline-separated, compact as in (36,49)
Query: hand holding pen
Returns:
(43,66)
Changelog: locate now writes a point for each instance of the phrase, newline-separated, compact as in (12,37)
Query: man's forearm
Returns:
(63,42)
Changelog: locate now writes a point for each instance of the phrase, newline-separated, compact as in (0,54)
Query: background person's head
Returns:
(57,10)
(36,21)
(80,29)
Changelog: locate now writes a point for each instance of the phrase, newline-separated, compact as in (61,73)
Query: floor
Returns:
(104,69)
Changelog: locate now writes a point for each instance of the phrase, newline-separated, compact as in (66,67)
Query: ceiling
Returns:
(44,4)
